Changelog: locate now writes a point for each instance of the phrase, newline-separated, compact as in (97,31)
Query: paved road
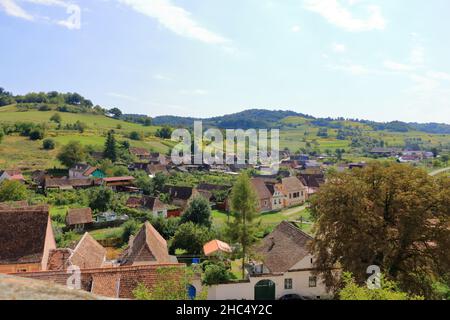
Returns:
(436,172)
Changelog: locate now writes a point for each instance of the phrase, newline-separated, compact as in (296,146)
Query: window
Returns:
(287,284)
(22,270)
(312,282)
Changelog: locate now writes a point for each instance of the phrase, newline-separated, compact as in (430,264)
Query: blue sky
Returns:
(378,60)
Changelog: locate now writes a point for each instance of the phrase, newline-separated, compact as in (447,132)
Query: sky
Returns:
(379,60)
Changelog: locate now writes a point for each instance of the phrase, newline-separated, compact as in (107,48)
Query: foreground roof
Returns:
(147,247)
(116,282)
(284,247)
(23,233)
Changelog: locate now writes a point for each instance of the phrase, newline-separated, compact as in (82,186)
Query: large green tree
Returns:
(389,215)
(388,291)
(191,238)
(198,212)
(242,227)
(72,153)
(110,151)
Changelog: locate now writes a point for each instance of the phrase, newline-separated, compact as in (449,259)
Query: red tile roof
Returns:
(79,216)
(116,282)
(215,246)
(147,247)
(88,253)
(23,233)
(261,189)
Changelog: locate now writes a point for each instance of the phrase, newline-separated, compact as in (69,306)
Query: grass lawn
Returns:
(109,233)
(271,219)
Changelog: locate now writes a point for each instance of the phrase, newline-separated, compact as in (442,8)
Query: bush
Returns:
(191,237)
(216,273)
(135,135)
(48,144)
(36,134)
(130,228)
(12,191)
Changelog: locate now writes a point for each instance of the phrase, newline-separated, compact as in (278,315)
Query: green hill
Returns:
(20,152)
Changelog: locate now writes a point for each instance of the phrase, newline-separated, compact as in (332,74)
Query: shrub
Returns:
(48,144)
(36,134)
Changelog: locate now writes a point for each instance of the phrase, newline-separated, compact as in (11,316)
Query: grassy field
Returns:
(271,219)
(22,153)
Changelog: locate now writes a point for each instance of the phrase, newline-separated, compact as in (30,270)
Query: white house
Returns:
(286,270)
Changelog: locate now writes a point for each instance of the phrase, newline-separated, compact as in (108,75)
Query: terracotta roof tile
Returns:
(79,216)
(147,247)
(23,234)
(283,247)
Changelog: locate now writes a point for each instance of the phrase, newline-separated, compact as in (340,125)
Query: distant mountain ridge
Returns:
(262,118)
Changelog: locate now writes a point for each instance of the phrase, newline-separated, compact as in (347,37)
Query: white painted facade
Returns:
(299,275)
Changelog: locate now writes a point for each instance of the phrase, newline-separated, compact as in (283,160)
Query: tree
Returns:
(198,212)
(445,158)
(11,190)
(216,273)
(191,237)
(110,151)
(2,134)
(242,228)
(130,228)
(134,135)
(101,199)
(164,132)
(72,153)
(115,112)
(388,291)
(389,215)
(48,144)
(56,118)
(36,134)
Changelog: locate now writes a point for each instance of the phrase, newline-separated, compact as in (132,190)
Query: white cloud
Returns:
(174,18)
(338,47)
(73,21)
(121,96)
(295,29)
(161,77)
(395,66)
(439,75)
(195,92)
(353,69)
(341,16)
(13,9)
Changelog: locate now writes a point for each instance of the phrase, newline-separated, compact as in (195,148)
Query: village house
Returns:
(69,184)
(156,206)
(148,247)
(216,248)
(278,197)
(286,269)
(87,254)
(294,190)
(26,239)
(79,219)
(312,181)
(140,153)
(263,195)
(180,196)
(120,183)
(85,171)
(154,169)
(11,175)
